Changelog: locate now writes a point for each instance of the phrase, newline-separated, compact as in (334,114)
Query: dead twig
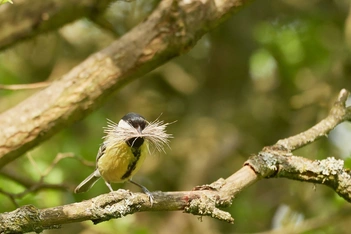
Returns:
(38,85)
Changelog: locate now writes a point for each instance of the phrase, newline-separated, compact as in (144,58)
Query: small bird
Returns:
(124,149)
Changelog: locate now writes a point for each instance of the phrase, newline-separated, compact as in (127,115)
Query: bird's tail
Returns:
(86,184)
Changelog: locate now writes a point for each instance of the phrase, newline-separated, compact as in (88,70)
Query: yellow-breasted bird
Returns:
(124,149)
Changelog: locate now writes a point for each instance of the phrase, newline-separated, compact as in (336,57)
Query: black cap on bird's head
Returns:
(135,120)
(139,123)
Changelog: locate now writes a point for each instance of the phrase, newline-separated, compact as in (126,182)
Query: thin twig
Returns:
(34,186)
(38,85)
(339,113)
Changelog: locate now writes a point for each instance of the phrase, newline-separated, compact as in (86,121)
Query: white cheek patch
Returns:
(124,124)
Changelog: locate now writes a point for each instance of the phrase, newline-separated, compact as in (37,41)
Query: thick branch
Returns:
(203,201)
(26,19)
(329,171)
(174,27)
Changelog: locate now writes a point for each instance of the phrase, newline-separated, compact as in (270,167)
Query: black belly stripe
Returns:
(131,167)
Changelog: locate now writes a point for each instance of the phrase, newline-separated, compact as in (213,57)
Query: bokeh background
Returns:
(271,71)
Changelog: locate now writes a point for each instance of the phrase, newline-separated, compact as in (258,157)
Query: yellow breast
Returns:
(119,164)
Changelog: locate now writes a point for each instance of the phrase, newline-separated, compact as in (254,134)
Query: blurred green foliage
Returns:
(5,1)
(270,71)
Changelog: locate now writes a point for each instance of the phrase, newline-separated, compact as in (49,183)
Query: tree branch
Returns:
(203,201)
(173,28)
(339,113)
(278,161)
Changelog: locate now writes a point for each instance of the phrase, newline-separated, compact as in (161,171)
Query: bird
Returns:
(124,149)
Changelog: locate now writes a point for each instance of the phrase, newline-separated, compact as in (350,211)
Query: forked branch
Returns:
(278,161)
(273,161)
